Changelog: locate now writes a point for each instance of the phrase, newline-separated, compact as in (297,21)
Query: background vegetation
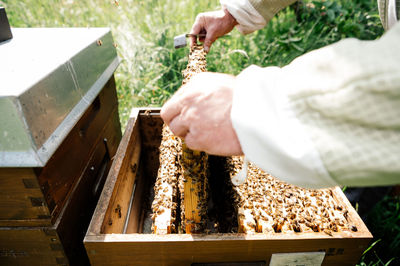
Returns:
(150,71)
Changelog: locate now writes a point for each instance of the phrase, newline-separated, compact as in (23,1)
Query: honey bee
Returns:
(328,232)
(353,228)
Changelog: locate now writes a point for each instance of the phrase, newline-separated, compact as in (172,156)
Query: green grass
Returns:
(150,71)
(384,223)
(151,68)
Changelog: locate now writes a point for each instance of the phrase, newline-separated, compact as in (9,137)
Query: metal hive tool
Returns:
(181,40)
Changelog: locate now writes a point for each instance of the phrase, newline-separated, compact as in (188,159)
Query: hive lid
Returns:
(48,78)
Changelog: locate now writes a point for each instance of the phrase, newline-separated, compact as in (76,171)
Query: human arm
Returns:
(331,117)
(247,15)
(214,24)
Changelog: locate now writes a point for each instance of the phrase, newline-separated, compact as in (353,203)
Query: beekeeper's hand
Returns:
(200,112)
(214,24)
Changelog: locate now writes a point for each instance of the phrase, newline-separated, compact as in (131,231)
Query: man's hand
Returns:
(214,24)
(200,113)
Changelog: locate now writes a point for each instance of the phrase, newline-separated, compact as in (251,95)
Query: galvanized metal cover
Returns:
(48,78)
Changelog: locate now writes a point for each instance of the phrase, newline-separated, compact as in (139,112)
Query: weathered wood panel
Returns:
(119,184)
(75,217)
(66,165)
(21,200)
(139,249)
(31,246)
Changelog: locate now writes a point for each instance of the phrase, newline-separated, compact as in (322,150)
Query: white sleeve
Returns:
(331,117)
(245,14)
(253,15)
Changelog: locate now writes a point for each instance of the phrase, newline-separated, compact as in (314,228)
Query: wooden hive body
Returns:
(115,234)
(44,212)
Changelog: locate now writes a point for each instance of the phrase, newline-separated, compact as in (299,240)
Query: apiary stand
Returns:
(133,171)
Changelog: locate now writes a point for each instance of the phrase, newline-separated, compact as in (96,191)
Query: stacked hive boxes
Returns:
(61,131)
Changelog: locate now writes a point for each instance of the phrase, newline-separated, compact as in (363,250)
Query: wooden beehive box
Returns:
(70,108)
(115,232)
(39,234)
(35,196)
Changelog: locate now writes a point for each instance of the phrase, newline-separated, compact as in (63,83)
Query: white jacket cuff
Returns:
(270,134)
(245,14)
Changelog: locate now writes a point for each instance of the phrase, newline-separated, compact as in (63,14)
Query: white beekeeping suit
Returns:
(389,11)
(332,116)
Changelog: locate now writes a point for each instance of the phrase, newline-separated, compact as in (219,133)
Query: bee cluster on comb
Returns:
(164,206)
(267,205)
(197,63)
(189,186)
